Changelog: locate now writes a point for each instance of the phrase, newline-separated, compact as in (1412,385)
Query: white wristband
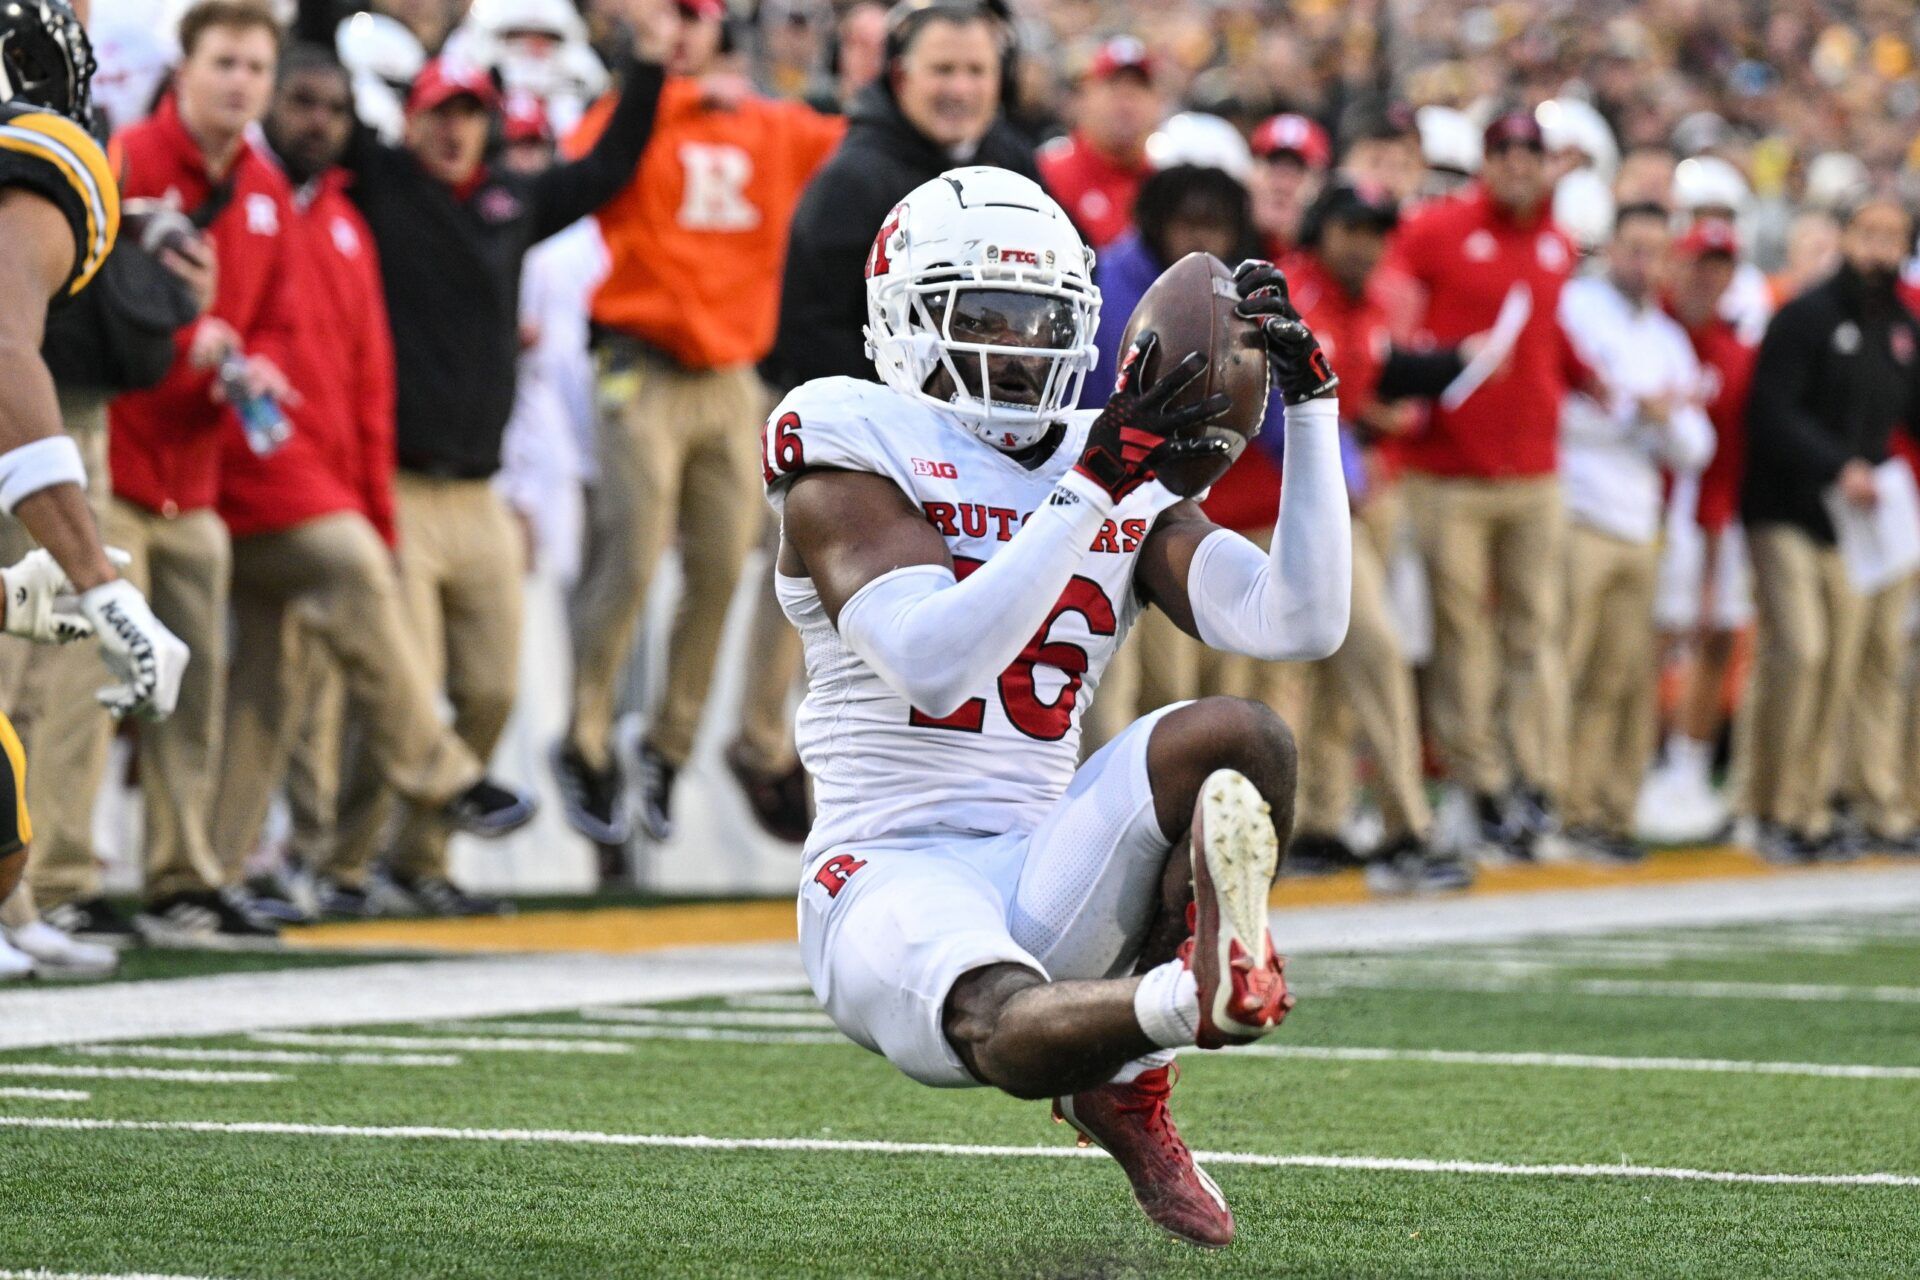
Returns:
(36,465)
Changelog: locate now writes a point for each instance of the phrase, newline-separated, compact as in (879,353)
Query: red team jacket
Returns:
(1097,193)
(1466,254)
(340,358)
(1727,364)
(164,443)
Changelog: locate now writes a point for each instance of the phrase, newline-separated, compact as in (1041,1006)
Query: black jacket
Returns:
(452,274)
(823,299)
(1838,369)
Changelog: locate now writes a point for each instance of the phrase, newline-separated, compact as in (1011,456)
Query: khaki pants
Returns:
(1610,665)
(1365,686)
(328,584)
(182,565)
(1493,553)
(773,666)
(678,450)
(460,558)
(313,773)
(48,691)
(1809,681)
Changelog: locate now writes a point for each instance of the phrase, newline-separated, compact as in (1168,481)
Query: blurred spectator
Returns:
(452,231)
(1366,687)
(1612,456)
(1710,187)
(1678,802)
(853,56)
(935,105)
(1836,372)
(1813,251)
(1290,157)
(1484,495)
(1645,176)
(1383,150)
(687,309)
(165,443)
(312,522)
(1096,171)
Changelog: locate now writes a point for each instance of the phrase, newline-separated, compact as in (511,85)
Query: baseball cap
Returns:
(1709,236)
(1122,55)
(1514,127)
(1293,135)
(440,82)
(703,8)
(1352,204)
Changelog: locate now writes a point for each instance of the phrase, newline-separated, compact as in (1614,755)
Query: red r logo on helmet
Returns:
(878,262)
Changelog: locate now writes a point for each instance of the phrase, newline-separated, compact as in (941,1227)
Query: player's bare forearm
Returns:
(1167,555)
(36,250)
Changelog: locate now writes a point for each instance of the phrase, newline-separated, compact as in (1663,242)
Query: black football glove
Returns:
(1299,366)
(1134,434)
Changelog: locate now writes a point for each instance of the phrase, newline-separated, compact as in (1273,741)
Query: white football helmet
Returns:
(967,261)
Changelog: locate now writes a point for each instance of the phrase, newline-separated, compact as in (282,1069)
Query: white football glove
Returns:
(40,603)
(147,658)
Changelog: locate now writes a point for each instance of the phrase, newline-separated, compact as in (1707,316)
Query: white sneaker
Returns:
(1678,807)
(57,955)
(14,963)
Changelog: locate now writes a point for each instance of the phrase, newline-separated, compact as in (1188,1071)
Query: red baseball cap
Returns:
(1709,236)
(439,83)
(1123,55)
(524,120)
(1293,135)
(713,9)
(1514,127)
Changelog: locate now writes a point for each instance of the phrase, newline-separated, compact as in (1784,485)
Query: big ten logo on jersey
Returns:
(1040,690)
(974,519)
(714,197)
(938,470)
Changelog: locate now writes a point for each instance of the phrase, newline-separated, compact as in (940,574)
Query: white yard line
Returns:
(622,1031)
(465,1044)
(1585,1061)
(407,991)
(778,1000)
(697,1142)
(284,1057)
(710,1017)
(60,1070)
(1813,992)
(51,1095)
(1412,924)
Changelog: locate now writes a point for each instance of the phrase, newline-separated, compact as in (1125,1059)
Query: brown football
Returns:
(1190,308)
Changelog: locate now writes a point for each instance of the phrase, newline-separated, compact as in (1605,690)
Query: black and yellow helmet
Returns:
(46,59)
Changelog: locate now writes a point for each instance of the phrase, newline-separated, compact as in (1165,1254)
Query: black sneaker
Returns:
(1314,854)
(1529,820)
(594,799)
(655,778)
(778,800)
(489,810)
(439,896)
(1784,846)
(1410,865)
(206,921)
(266,899)
(91,920)
(342,901)
(1594,845)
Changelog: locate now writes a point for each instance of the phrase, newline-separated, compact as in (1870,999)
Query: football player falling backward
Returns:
(962,554)
(59,214)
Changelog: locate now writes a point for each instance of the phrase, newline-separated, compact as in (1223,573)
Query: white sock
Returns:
(1691,757)
(1167,1005)
(1140,1066)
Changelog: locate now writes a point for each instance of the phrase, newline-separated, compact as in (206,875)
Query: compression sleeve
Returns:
(937,640)
(1292,602)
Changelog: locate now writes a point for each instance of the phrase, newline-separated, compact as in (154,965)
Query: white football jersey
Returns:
(879,767)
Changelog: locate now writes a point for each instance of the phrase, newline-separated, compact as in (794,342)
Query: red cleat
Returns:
(1130,1123)
(1243,986)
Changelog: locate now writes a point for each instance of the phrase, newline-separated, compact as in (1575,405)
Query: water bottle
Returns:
(266,427)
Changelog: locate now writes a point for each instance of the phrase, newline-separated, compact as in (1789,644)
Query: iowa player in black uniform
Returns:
(59,214)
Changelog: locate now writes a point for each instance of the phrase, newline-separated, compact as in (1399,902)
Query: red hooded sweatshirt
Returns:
(340,456)
(1467,253)
(164,443)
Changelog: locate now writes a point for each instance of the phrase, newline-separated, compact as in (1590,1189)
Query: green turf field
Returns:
(1668,1069)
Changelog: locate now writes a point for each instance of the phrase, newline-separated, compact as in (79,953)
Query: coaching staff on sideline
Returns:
(452,231)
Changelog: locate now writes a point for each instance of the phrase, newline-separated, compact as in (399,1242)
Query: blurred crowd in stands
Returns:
(1617,292)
